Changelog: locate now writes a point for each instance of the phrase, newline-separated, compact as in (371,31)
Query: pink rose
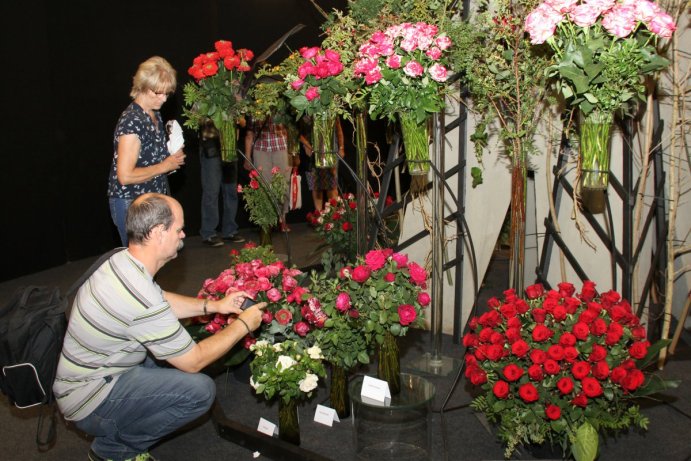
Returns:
(267,317)
(443,42)
(393,61)
(562,6)
(361,274)
(375,259)
(332,55)
(584,15)
(433,53)
(417,274)
(312,93)
(645,10)
(390,277)
(438,72)
(343,302)
(284,316)
(373,76)
(297,84)
(400,259)
(663,25)
(413,69)
(301,328)
(274,295)
(620,20)
(541,22)
(423,298)
(308,53)
(406,314)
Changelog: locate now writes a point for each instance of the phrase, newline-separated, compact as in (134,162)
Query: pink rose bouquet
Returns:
(559,367)
(603,48)
(405,69)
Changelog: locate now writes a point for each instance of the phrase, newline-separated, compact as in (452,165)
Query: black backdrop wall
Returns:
(67,70)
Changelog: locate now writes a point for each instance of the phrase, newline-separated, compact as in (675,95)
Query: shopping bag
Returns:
(295,190)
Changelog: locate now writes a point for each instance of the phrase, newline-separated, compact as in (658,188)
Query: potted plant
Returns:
(560,368)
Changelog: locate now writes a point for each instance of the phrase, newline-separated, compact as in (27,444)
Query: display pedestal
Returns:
(400,430)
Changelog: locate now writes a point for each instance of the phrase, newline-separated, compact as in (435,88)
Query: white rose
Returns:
(278,347)
(284,362)
(315,352)
(309,382)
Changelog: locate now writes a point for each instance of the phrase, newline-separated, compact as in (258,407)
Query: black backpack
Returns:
(32,329)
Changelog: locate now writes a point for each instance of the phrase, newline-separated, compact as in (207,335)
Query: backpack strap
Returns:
(80,281)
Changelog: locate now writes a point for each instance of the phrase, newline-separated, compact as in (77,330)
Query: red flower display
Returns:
(560,362)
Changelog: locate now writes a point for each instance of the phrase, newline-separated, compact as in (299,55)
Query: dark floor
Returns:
(456,432)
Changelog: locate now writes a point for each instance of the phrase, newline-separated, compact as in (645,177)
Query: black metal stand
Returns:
(626,257)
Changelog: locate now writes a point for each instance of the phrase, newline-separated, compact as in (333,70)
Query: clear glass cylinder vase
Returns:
(228,139)
(288,422)
(389,364)
(594,149)
(324,142)
(416,143)
(265,237)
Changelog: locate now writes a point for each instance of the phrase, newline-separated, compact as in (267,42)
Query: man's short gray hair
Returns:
(145,213)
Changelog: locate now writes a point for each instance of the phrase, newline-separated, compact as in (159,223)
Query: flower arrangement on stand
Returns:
(317,91)
(404,68)
(250,251)
(289,371)
(385,289)
(603,52)
(216,92)
(336,224)
(264,201)
(560,367)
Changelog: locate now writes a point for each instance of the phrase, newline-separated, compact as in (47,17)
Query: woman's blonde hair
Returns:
(154,74)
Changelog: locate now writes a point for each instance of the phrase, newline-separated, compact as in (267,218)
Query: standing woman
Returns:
(141,160)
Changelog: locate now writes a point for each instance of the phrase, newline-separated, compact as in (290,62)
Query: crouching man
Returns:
(107,383)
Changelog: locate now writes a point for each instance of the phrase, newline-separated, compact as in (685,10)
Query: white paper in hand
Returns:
(175,139)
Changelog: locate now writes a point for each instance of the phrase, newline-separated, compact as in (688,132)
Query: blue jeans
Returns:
(146,404)
(118,211)
(213,185)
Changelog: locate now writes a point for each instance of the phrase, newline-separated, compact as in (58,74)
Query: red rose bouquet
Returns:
(216,92)
(336,224)
(560,367)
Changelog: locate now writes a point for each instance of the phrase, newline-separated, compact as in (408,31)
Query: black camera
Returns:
(248,302)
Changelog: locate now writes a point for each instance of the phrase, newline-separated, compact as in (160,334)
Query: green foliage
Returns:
(288,370)
(584,447)
(264,201)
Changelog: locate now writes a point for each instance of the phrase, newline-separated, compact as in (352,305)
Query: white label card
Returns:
(267,427)
(375,390)
(325,415)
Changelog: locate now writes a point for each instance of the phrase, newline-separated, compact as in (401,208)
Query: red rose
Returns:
(580,400)
(618,373)
(614,333)
(513,335)
(555,352)
(553,412)
(520,348)
(535,372)
(535,291)
(493,302)
(490,319)
(601,370)
(390,277)
(598,353)
(494,352)
(510,295)
(301,328)
(551,367)
(610,297)
(481,353)
(406,314)
(417,274)
(549,304)
(587,316)
(497,338)
(508,311)
(620,313)
(567,339)
(538,356)
(512,372)
(571,354)
(485,334)
(588,291)
(267,317)
(595,307)
(423,299)
(638,332)
(565,385)
(478,376)
(541,333)
(470,340)
(346,226)
(571,305)
(521,306)
(566,289)
(361,274)
(581,331)
(598,327)
(639,350)
(528,392)
(580,370)
(539,315)
(514,322)
(284,316)
(559,314)
(375,259)
(501,389)
(633,380)
(591,387)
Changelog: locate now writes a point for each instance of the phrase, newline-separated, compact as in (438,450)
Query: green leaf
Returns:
(585,446)
(362,357)
(476,174)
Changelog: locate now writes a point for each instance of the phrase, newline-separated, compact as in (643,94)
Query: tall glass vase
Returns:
(389,365)
(324,143)
(416,143)
(338,392)
(288,422)
(594,137)
(228,132)
(265,237)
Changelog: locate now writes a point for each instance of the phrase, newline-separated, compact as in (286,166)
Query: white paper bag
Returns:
(175,138)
